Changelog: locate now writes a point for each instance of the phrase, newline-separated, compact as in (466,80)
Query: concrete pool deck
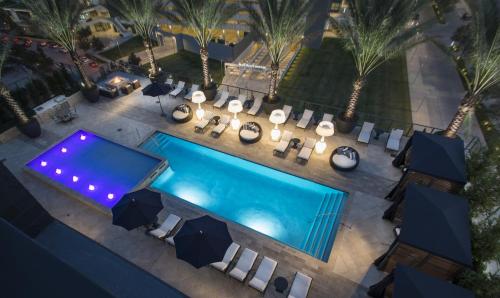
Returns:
(362,236)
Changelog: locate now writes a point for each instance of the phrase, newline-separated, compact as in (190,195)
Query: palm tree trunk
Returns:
(464,108)
(353,101)
(204,64)
(85,79)
(274,81)
(153,70)
(13,105)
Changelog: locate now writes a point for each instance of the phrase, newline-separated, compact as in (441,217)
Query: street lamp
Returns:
(324,129)
(199,97)
(276,117)
(235,107)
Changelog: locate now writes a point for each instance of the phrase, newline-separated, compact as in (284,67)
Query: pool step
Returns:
(156,144)
(321,235)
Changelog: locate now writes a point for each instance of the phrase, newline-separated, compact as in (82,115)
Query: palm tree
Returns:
(484,62)
(144,14)
(377,31)
(59,20)
(279,24)
(203,17)
(28,126)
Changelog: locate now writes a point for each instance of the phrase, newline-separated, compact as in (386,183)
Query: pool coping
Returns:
(336,228)
(144,183)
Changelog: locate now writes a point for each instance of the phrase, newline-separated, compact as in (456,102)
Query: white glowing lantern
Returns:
(324,129)
(43,163)
(58,171)
(64,150)
(91,187)
(83,137)
(235,107)
(111,196)
(199,97)
(276,117)
(75,179)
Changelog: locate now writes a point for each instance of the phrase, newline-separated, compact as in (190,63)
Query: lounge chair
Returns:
(243,99)
(228,257)
(327,117)
(264,273)
(288,111)
(178,89)
(64,112)
(166,227)
(284,143)
(245,263)
(306,150)
(300,286)
(257,104)
(194,88)
(221,127)
(222,100)
(394,140)
(306,118)
(366,132)
(203,123)
(170,83)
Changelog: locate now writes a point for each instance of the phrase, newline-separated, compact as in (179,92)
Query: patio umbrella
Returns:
(137,209)
(202,241)
(156,90)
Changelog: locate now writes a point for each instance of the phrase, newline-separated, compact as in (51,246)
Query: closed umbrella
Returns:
(156,89)
(138,208)
(202,241)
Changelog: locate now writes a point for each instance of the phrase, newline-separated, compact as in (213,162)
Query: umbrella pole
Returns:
(161,107)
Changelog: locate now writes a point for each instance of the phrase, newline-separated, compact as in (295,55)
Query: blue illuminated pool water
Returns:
(111,169)
(292,210)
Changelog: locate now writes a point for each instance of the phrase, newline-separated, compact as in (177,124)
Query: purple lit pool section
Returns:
(95,167)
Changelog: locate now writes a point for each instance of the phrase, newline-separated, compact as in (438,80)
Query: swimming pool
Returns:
(298,212)
(94,167)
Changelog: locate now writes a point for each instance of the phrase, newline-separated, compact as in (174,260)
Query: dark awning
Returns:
(437,222)
(410,283)
(438,156)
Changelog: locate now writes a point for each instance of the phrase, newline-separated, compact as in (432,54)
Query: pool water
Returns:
(298,212)
(84,159)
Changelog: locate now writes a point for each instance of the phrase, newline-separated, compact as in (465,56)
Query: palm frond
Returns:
(144,14)
(202,16)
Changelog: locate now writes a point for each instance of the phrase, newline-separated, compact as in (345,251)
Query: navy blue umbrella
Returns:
(202,241)
(137,209)
(156,89)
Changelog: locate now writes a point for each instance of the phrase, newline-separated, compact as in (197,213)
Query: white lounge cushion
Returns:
(300,286)
(249,134)
(179,115)
(242,98)
(166,227)
(394,139)
(222,100)
(223,123)
(263,274)
(200,125)
(307,148)
(327,117)
(255,107)
(287,110)
(228,257)
(343,161)
(245,263)
(178,89)
(194,88)
(169,82)
(306,118)
(366,132)
(284,142)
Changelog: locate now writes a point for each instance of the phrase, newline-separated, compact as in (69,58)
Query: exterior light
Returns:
(91,187)
(324,129)
(111,196)
(276,117)
(75,179)
(199,97)
(235,107)
(43,163)
(83,137)
(64,150)
(58,171)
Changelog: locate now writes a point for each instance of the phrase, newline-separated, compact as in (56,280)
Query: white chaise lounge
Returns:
(300,286)
(257,104)
(282,146)
(203,123)
(306,118)
(327,117)
(306,150)
(288,111)
(169,82)
(166,227)
(264,273)
(366,132)
(194,88)
(222,100)
(178,89)
(245,263)
(221,127)
(231,252)
(394,140)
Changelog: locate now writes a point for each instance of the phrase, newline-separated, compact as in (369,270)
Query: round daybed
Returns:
(182,113)
(250,132)
(344,158)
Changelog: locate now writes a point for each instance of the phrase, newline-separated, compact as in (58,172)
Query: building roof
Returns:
(438,156)
(437,222)
(411,283)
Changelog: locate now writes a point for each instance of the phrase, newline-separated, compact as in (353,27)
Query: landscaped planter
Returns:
(210,92)
(91,94)
(268,106)
(31,129)
(343,125)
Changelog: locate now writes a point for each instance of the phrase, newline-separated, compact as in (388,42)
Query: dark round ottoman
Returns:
(250,132)
(182,113)
(344,158)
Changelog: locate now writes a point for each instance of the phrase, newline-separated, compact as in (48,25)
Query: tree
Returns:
(59,20)
(482,62)
(144,14)
(203,17)
(279,24)
(376,32)
(133,59)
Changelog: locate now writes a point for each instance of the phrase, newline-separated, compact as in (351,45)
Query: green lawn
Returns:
(186,66)
(134,44)
(321,79)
